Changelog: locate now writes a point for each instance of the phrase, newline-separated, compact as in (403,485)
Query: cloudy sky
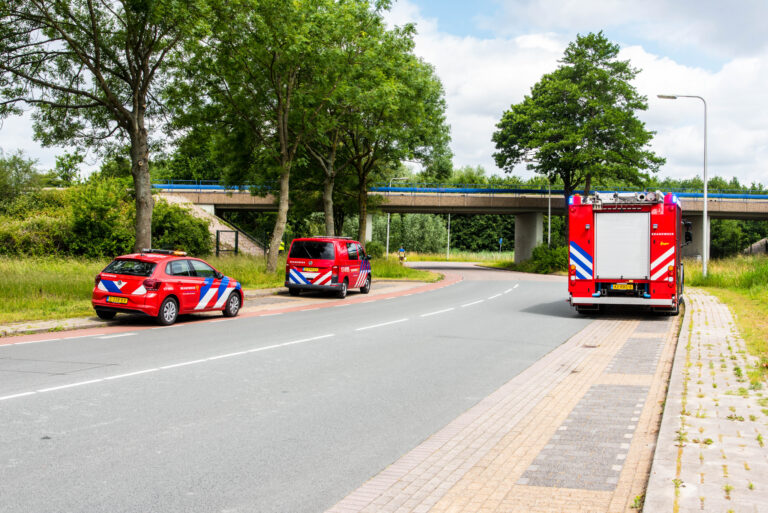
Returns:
(489,53)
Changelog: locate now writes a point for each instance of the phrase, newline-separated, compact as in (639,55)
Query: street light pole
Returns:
(705,234)
(388,192)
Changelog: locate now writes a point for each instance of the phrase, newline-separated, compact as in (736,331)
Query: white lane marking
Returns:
(438,312)
(129,374)
(380,325)
(271,315)
(173,366)
(71,385)
(473,303)
(507,291)
(166,367)
(117,336)
(516,285)
(494,296)
(14,396)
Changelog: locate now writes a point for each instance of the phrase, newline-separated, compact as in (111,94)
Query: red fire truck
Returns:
(625,250)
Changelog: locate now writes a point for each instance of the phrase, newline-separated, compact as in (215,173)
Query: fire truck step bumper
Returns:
(605,300)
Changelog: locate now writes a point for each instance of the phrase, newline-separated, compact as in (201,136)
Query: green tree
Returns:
(67,167)
(579,123)
(262,78)
(401,116)
(92,71)
(17,173)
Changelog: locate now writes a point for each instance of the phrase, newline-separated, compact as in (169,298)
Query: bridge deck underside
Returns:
(433,203)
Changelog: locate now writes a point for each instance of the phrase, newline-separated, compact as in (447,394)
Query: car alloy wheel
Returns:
(233,305)
(169,311)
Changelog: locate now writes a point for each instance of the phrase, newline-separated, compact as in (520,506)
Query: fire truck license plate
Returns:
(622,286)
(310,269)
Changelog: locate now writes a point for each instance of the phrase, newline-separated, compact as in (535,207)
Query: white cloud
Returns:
(483,77)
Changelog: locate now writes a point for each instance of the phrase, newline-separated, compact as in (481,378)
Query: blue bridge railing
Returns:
(214,185)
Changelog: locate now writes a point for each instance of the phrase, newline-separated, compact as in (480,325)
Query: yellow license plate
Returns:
(622,286)
(119,300)
(310,269)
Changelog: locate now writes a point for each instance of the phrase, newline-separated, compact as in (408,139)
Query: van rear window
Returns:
(130,267)
(312,249)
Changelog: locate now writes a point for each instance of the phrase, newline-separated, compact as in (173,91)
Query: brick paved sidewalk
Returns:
(574,432)
(711,455)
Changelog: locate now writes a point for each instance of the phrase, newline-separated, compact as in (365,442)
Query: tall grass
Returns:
(46,288)
(459,256)
(741,272)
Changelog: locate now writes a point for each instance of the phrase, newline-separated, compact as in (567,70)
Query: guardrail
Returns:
(213,185)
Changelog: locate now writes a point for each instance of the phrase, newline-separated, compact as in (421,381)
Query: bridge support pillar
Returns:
(695,248)
(211,209)
(368,228)
(529,233)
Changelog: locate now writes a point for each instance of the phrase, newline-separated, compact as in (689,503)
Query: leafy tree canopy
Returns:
(578,124)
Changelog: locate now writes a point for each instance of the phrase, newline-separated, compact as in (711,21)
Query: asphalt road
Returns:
(283,413)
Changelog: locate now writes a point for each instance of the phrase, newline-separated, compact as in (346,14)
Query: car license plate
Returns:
(622,286)
(310,269)
(119,300)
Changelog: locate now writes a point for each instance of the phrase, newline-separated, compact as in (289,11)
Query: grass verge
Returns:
(459,256)
(59,288)
(741,283)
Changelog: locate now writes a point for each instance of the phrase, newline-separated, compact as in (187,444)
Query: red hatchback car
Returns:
(163,284)
(327,263)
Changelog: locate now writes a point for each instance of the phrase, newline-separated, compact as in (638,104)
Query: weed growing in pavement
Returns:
(751,486)
(746,466)
(759,439)
(728,489)
(638,502)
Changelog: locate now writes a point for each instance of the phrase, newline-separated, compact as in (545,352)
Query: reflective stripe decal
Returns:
(582,261)
(223,297)
(661,264)
(206,293)
(111,286)
(662,258)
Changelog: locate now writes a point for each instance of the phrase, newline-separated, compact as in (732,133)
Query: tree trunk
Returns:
(328,205)
(587,185)
(362,202)
(282,217)
(143,187)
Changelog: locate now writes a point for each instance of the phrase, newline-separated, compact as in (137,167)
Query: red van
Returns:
(327,263)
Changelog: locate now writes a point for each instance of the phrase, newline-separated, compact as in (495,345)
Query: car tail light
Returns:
(96,280)
(671,270)
(151,284)
(572,269)
(335,273)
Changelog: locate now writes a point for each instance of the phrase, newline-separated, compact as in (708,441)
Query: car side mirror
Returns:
(219,275)
(367,257)
(688,237)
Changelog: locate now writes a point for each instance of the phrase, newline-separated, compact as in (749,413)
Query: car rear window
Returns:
(130,267)
(312,249)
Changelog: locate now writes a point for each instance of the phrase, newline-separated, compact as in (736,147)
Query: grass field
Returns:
(58,288)
(742,283)
(459,256)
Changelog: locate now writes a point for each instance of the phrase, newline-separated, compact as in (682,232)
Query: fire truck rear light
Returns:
(573,269)
(151,284)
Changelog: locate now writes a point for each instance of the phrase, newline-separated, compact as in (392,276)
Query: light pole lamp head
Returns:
(667,96)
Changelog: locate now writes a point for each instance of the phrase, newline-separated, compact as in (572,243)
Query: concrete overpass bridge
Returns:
(527,205)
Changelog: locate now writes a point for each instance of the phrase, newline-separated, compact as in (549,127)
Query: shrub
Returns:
(374,248)
(549,259)
(102,219)
(175,228)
